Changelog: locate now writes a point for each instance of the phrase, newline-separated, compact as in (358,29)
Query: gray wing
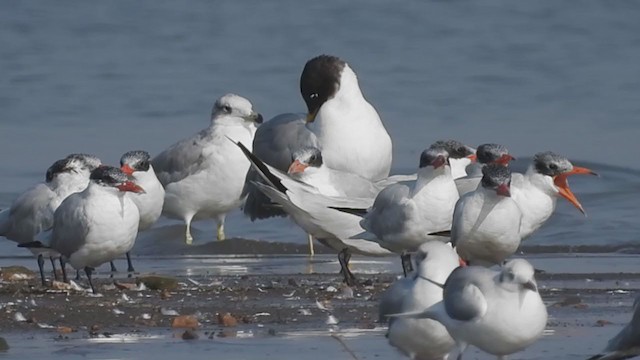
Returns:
(629,336)
(463,299)
(69,225)
(386,216)
(274,143)
(457,219)
(353,185)
(29,214)
(391,300)
(181,159)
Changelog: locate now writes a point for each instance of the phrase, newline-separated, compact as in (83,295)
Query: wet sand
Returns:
(282,306)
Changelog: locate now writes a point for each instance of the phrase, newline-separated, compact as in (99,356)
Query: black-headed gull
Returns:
(499,312)
(425,338)
(536,191)
(32,212)
(96,225)
(203,175)
(339,121)
(486,222)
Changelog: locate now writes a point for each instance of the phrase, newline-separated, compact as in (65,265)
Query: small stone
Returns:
(185,322)
(293,282)
(602,322)
(19,317)
(4,346)
(16,273)
(125,286)
(59,285)
(64,330)
(165,294)
(581,306)
(189,335)
(227,320)
(154,282)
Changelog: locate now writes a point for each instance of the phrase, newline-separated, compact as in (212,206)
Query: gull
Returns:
(425,338)
(626,344)
(499,312)
(96,225)
(32,212)
(203,175)
(136,163)
(339,121)
(486,222)
(316,213)
(536,191)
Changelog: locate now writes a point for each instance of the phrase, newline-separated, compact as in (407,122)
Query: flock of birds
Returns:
(328,170)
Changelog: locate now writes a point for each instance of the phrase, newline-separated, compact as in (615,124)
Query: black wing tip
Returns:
(33,244)
(445,233)
(352,211)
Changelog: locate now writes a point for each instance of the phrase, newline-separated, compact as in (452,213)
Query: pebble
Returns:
(189,335)
(4,346)
(227,320)
(185,322)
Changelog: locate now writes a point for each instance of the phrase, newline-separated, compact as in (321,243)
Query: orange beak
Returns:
(505,159)
(462,262)
(563,185)
(130,186)
(297,167)
(127,169)
(504,190)
(473,158)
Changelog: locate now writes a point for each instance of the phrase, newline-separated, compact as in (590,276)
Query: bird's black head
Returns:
(319,82)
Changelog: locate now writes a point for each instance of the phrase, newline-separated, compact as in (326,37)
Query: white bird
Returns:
(500,312)
(316,213)
(486,222)
(485,154)
(96,225)
(537,191)
(32,212)
(425,339)
(461,156)
(402,215)
(137,164)
(339,121)
(203,175)
(626,344)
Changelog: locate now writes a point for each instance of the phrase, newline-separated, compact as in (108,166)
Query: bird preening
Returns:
(457,223)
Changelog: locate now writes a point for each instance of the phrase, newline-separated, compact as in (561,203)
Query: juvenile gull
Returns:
(203,175)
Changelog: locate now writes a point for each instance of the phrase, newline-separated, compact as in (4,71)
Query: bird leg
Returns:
(88,271)
(113,269)
(41,267)
(53,265)
(311,249)
(220,229)
(343,257)
(407,265)
(77,275)
(63,266)
(130,264)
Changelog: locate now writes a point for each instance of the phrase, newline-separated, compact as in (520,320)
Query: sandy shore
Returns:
(277,303)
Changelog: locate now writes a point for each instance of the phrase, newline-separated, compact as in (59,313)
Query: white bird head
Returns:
(497,178)
(136,160)
(232,108)
(518,274)
(112,177)
(305,159)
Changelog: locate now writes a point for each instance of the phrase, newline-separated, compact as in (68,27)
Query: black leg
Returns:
(78,275)
(88,271)
(130,264)
(113,267)
(41,266)
(343,257)
(63,266)
(407,265)
(53,265)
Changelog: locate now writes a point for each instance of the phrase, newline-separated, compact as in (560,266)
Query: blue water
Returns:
(108,77)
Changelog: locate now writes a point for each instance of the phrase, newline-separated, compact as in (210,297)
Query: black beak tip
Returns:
(259,119)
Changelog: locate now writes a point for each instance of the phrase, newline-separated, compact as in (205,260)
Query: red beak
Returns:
(297,167)
(563,185)
(130,186)
(504,190)
(463,263)
(127,169)
(504,160)
(473,158)
(439,162)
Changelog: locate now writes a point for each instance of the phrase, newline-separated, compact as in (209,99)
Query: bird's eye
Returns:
(226,108)
(313,96)
(553,166)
